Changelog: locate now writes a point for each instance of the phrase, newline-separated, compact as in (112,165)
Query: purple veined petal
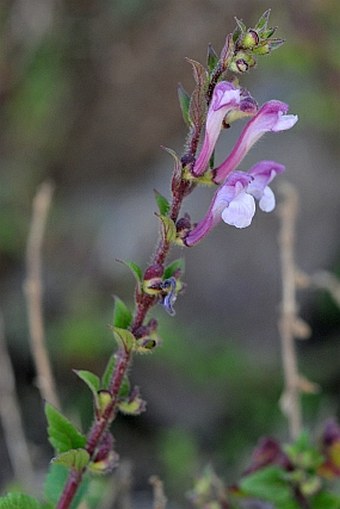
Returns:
(271,117)
(225,98)
(240,211)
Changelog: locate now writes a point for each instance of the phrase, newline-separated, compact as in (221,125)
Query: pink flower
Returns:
(234,201)
(226,97)
(271,117)
(263,173)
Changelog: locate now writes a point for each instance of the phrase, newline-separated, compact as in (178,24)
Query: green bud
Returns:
(104,465)
(249,40)
(104,400)
(152,280)
(212,58)
(242,62)
(262,49)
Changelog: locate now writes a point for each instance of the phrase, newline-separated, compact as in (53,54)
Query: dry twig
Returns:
(33,293)
(290,400)
(11,418)
(159,498)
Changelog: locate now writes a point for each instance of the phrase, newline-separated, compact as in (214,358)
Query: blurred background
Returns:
(87,97)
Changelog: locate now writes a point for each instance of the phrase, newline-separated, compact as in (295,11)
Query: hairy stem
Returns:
(143,305)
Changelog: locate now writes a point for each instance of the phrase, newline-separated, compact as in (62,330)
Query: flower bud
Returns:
(153,280)
(242,62)
(183,226)
(104,400)
(105,458)
(248,40)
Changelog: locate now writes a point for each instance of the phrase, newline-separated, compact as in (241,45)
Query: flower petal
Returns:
(240,211)
(263,173)
(226,97)
(271,117)
(267,202)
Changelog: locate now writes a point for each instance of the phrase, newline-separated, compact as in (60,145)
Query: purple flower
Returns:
(271,117)
(226,97)
(234,201)
(264,172)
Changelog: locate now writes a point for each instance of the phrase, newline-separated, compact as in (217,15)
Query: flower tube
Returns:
(234,200)
(226,97)
(271,117)
(230,203)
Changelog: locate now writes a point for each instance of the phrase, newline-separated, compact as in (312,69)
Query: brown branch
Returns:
(159,498)
(11,418)
(290,400)
(33,294)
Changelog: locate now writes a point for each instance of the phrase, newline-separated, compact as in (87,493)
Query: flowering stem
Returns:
(144,303)
(70,489)
(98,429)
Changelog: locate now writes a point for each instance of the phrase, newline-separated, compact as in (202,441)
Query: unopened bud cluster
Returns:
(252,42)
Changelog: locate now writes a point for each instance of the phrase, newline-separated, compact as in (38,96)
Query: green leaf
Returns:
(19,501)
(124,338)
(176,265)
(55,482)
(324,500)
(197,108)
(262,23)
(184,102)
(269,484)
(62,434)
(212,58)
(199,72)
(241,27)
(122,316)
(135,269)
(91,380)
(169,228)
(76,459)
(106,378)
(303,454)
(198,104)
(177,170)
(162,203)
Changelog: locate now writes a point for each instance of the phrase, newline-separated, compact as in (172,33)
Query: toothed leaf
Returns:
(122,316)
(19,501)
(77,459)
(62,434)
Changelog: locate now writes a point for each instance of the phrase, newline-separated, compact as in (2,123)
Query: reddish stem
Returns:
(74,480)
(144,304)
(98,429)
